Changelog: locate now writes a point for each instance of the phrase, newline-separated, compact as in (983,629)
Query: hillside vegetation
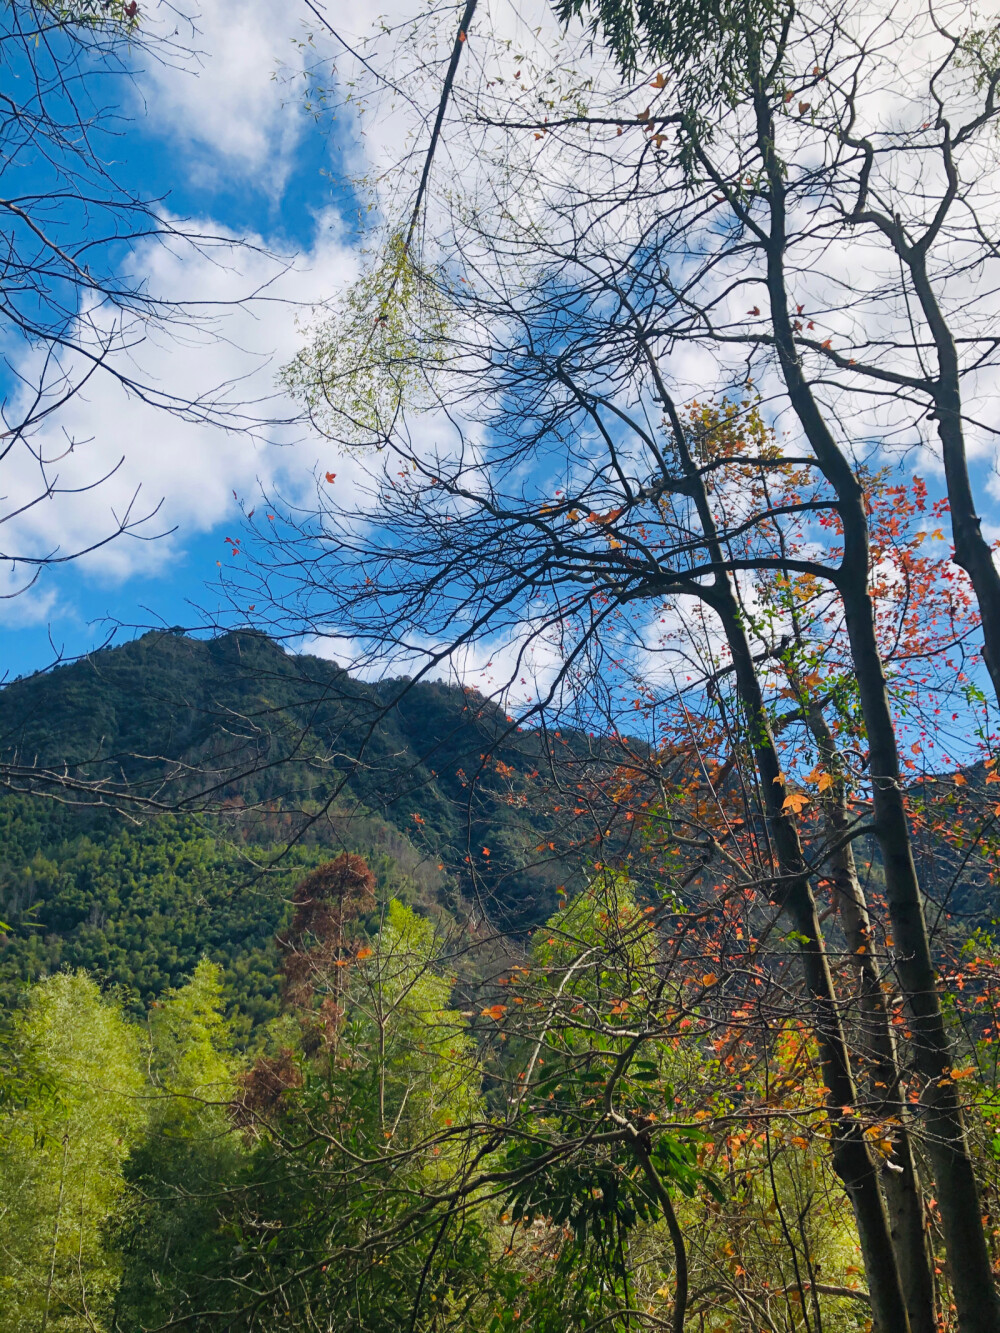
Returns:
(265,1065)
(270,762)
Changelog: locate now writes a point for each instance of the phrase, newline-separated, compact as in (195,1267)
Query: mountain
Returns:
(200,777)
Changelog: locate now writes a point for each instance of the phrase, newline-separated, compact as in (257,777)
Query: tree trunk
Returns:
(852,1158)
(972,550)
(907,1219)
(943,1120)
(947,1148)
(640,1147)
(55,1235)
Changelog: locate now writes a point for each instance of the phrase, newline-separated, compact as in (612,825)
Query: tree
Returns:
(577,494)
(352,1138)
(186,1161)
(937,234)
(77,1110)
(383,1137)
(70,311)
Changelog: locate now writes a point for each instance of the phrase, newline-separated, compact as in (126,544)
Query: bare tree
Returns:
(72,306)
(564,318)
(76,305)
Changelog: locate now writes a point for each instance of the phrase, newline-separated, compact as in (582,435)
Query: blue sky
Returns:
(225,143)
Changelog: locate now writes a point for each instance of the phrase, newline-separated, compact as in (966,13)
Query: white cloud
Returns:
(23,606)
(515,672)
(235,103)
(191,467)
(233,99)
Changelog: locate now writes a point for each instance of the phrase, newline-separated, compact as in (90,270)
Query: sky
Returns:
(223,139)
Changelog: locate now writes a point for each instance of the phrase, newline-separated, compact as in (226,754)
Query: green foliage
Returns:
(423,1064)
(373,356)
(980,54)
(139,906)
(315,1210)
(596,1106)
(63,1144)
(710,38)
(378,1160)
(191,1153)
(115,17)
(172,714)
(355,1177)
(189,1047)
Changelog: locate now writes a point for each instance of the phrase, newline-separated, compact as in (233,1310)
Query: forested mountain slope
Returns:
(245,745)
(248,719)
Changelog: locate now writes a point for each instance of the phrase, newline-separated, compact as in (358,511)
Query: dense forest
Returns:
(265,1071)
(183,1002)
(241,742)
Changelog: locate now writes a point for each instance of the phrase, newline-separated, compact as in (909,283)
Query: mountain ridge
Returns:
(264,762)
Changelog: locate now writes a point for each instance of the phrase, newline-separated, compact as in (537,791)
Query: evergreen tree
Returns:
(64,1136)
(191,1155)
